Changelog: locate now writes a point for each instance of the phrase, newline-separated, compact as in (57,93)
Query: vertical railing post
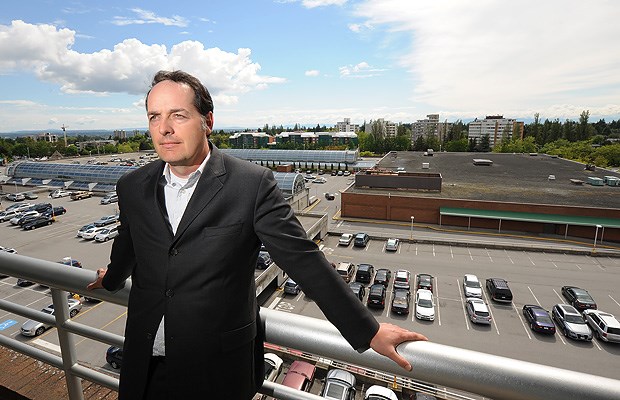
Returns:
(67,344)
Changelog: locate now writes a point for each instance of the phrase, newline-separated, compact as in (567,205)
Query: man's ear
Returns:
(209,123)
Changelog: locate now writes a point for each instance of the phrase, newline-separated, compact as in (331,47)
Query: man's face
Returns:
(175,124)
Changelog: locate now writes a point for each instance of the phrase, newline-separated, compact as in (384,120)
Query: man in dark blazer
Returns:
(192,261)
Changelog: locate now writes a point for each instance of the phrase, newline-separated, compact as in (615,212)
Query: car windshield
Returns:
(472,284)
(543,319)
(426,303)
(334,391)
(575,319)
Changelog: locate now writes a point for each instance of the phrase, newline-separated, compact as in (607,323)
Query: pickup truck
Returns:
(81,194)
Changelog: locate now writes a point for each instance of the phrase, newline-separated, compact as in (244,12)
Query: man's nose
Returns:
(165,127)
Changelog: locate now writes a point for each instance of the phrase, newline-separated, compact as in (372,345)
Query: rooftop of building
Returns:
(520,178)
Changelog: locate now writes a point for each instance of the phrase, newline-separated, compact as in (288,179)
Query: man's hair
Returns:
(202,98)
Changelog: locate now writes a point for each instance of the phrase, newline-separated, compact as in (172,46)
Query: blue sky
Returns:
(87,64)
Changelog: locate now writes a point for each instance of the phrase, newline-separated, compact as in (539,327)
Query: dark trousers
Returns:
(156,386)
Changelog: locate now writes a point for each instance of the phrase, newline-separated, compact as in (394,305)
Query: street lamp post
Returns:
(596,236)
(411,236)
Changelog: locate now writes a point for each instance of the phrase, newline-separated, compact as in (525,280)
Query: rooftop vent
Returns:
(482,161)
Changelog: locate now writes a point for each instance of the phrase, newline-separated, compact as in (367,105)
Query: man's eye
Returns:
(180,116)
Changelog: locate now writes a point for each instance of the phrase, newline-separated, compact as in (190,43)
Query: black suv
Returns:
(361,240)
(364,273)
(498,290)
(376,296)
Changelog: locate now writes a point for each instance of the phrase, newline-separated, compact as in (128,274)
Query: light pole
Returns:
(596,236)
(411,236)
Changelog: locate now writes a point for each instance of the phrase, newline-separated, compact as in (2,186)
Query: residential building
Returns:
(249,140)
(337,138)
(347,126)
(386,128)
(496,127)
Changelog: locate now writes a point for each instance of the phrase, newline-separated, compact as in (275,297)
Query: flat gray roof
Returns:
(520,178)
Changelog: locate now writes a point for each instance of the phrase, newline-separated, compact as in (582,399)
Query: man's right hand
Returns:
(97,283)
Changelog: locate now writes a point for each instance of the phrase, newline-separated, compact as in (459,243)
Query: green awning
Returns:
(531,217)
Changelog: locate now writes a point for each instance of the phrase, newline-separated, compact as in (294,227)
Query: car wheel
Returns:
(114,365)
(105,239)
(49,222)
(73,313)
(39,331)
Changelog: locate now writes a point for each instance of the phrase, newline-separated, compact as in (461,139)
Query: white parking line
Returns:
(433,249)
(470,256)
(507,255)
(560,297)
(486,300)
(578,266)
(614,300)
(458,284)
(274,303)
(437,297)
(451,254)
(534,296)
(530,258)
(554,264)
(47,345)
(525,328)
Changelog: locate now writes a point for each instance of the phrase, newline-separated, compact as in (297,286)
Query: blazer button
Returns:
(169,293)
(149,336)
(174,252)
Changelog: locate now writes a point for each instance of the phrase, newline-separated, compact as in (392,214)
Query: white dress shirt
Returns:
(177,192)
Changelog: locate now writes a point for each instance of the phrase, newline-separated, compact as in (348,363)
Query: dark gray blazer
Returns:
(202,278)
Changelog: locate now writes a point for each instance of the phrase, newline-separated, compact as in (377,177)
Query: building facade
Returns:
(496,127)
(384,128)
(347,126)
(249,140)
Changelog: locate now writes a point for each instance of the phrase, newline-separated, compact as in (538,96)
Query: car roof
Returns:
(341,375)
(609,319)
(568,309)
(425,293)
(471,277)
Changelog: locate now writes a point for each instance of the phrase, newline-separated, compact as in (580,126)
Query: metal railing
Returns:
(475,372)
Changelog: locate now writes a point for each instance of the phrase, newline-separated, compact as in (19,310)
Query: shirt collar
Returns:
(193,177)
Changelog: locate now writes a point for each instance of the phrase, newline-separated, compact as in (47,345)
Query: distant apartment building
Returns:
(297,137)
(249,140)
(347,126)
(337,138)
(386,128)
(46,137)
(429,126)
(496,127)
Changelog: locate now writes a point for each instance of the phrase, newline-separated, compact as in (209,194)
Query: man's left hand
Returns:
(388,337)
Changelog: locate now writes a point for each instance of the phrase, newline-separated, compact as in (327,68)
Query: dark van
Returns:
(498,290)
(365,273)
(361,240)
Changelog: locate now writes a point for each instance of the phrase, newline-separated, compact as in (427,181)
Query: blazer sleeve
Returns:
(285,239)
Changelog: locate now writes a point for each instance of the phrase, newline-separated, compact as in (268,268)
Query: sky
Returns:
(87,65)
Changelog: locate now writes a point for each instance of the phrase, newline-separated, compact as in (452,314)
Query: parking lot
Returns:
(534,278)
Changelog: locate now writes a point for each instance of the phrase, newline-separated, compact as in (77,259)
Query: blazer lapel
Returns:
(207,187)
(154,191)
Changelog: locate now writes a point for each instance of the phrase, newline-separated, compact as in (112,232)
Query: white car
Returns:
(424,305)
(273,366)
(392,244)
(7,215)
(106,234)
(477,311)
(471,286)
(35,328)
(376,392)
(90,234)
(58,193)
(107,220)
(15,220)
(345,239)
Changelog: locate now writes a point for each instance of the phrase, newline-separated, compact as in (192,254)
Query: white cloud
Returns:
(149,17)
(495,55)
(312,72)
(322,3)
(359,28)
(360,70)
(126,68)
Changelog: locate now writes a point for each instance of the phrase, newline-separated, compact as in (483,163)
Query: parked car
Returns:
(70,262)
(107,220)
(539,319)
(401,301)
(361,240)
(319,180)
(58,193)
(21,219)
(84,229)
(31,195)
(346,270)
(264,260)
(339,384)
(330,196)
(365,273)
(383,276)
(35,328)
(477,311)
(273,366)
(91,233)
(8,250)
(114,357)
(109,198)
(571,322)
(300,376)
(425,281)
(498,290)
(54,211)
(106,234)
(38,222)
(346,173)
(6,215)
(345,239)
(578,298)
(21,282)
(604,325)
(19,207)
(291,287)
(16,196)
(81,194)
(334,173)
(358,290)
(402,279)
(376,296)
(471,286)
(377,392)
(424,305)
(392,244)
